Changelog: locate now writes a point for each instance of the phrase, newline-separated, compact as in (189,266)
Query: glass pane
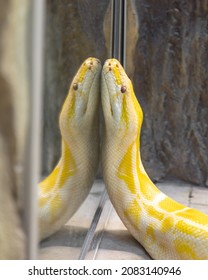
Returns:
(75,30)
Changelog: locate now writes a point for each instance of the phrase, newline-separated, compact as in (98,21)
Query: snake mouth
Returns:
(118,97)
(115,84)
(84,86)
(86,74)
(82,100)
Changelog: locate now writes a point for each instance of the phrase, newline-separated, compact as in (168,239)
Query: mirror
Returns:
(164,54)
(74,32)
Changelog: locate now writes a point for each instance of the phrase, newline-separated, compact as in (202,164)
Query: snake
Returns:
(62,192)
(165,228)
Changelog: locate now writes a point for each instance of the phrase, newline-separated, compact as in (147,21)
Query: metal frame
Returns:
(34,139)
(118,36)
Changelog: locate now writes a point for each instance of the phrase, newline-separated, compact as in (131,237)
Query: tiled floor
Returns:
(96,232)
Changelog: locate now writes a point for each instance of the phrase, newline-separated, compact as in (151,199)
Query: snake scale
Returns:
(165,228)
(66,187)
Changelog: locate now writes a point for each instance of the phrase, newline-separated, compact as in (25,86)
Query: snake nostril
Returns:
(89,67)
(123,89)
(75,86)
(91,63)
(110,68)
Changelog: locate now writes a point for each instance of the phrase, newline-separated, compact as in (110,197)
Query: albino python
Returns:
(63,191)
(165,228)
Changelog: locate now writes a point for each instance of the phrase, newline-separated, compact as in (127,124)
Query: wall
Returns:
(13,123)
(166,60)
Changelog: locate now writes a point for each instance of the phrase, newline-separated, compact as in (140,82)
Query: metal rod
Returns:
(33,149)
(118,33)
(91,231)
(123,19)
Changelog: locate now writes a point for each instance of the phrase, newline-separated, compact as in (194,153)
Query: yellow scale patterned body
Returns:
(63,191)
(166,229)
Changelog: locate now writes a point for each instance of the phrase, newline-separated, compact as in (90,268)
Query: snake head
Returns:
(80,108)
(122,112)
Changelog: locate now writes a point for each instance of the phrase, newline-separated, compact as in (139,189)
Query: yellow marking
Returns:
(56,205)
(194,231)
(68,165)
(125,170)
(69,106)
(150,232)
(124,113)
(49,182)
(170,205)
(117,75)
(167,224)
(82,72)
(136,105)
(195,216)
(147,188)
(185,250)
(133,211)
(152,212)
(63,171)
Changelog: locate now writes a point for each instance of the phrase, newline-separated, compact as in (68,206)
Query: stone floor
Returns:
(96,232)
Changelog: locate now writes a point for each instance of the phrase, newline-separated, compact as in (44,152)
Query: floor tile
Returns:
(68,241)
(199,196)
(177,190)
(110,239)
(200,207)
(116,242)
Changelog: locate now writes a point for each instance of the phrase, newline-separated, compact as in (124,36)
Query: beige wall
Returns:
(13,121)
(166,60)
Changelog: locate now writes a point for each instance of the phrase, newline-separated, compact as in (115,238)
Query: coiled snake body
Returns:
(166,229)
(63,191)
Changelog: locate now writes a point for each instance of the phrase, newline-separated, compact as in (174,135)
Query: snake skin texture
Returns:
(66,187)
(165,228)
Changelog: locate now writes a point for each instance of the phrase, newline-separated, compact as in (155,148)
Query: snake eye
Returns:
(75,86)
(123,89)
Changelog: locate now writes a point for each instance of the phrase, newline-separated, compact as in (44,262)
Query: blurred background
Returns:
(166,59)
